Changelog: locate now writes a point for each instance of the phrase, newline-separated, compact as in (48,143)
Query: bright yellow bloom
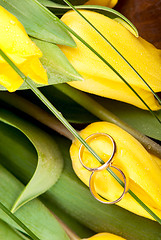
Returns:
(106,3)
(100,79)
(105,236)
(15,42)
(140,167)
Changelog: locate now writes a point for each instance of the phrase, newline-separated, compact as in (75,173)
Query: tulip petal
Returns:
(143,172)
(143,56)
(21,50)
(14,40)
(105,236)
(107,3)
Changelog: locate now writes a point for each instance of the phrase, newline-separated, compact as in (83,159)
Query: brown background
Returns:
(146,16)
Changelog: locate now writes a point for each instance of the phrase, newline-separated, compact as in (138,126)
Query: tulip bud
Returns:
(107,3)
(105,236)
(16,44)
(139,166)
(99,79)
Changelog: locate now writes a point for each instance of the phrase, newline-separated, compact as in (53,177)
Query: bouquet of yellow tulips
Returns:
(78,65)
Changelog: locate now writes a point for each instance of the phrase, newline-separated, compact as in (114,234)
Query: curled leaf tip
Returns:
(16,44)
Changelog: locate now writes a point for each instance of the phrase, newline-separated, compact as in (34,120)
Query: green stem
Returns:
(137,73)
(11,215)
(102,113)
(32,86)
(36,112)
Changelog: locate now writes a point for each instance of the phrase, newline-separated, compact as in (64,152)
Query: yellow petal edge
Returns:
(106,3)
(16,44)
(141,168)
(99,79)
(105,236)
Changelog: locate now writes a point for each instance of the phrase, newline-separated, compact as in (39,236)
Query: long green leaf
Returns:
(34,214)
(74,198)
(50,162)
(38,21)
(21,152)
(7,233)
(59,9)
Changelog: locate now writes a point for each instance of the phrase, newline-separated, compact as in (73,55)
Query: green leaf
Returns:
(80,229)
(34,214)
(7,233)
(50,162)
(59,9)
(22,157)
(38,21)
(56,63)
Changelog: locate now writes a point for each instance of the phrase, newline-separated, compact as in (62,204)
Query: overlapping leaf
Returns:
(38,21)
(34,214)
(50,162)
(7,233)
(59,9)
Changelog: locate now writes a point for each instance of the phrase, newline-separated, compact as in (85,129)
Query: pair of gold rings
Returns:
(106,165)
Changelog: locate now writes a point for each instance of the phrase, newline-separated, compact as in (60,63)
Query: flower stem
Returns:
(102,113)
(36,112)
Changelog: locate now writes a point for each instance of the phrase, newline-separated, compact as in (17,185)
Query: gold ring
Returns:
(106,164)
(97,196)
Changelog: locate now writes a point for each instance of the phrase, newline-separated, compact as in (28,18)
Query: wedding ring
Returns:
(97,196)
(106,164)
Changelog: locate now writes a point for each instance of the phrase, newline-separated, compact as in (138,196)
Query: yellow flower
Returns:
(106,3)
(15,42)
(140,167)
(105,236)
(100,79)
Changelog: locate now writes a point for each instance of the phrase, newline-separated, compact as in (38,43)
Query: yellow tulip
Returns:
(140,167)
(100,79)
(15,42)
(106,3)
(105,236)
